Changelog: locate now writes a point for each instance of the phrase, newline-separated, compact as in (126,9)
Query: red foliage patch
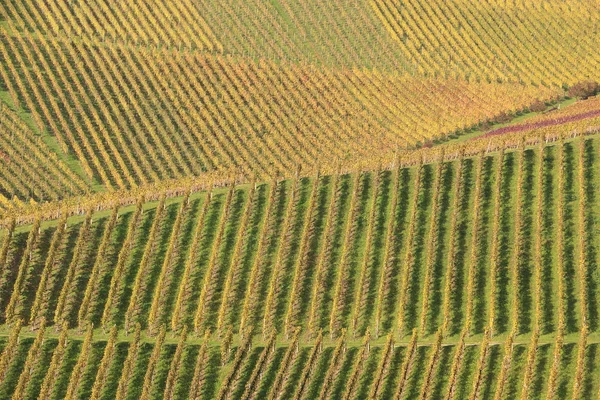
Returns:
(542,124)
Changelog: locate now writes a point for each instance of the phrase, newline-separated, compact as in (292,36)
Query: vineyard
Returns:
(133,106)
(23,174)
(108,368)
(579,117)
(396,274)
(539,41)
(136,135)
(343,199)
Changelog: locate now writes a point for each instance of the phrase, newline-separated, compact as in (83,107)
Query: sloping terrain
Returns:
(299,199)
(498,245)
(538,42)
(27,161)
(171,94)
(579,117)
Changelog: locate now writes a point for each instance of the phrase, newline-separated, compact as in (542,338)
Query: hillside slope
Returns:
(354,199)
(548,42)
(499,243)
(193,88)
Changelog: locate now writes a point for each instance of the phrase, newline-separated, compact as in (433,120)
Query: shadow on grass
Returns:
(209,232)
(238,391)
(295,373)
(268,378)
(251,238)
(115,370)
(591,255)
(339,384)
(82,272)
(391,288)
(390,384)
(374,263)
(548,189)
(368,373)
(64,373)
(60,270)
(464,383)
(10,270)
(591,355)
(161,371)
(482,232)
(14,369)
(209,390)
(494,359)
(441,374)
(458,289)
(543,360)
(506,237)
(89,374)
(415,379)
(526,229)
(266,264)
(308,264)
(181,252)
(418,246)
(110,260)
(569,235)
(440,250)
(317,377)
(34,273)
(126,285)
(224,259)
(287,272)
(569,353)
(156,260)
(332,266)
(353,253)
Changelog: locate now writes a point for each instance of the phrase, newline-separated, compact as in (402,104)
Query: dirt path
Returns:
(542,124)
